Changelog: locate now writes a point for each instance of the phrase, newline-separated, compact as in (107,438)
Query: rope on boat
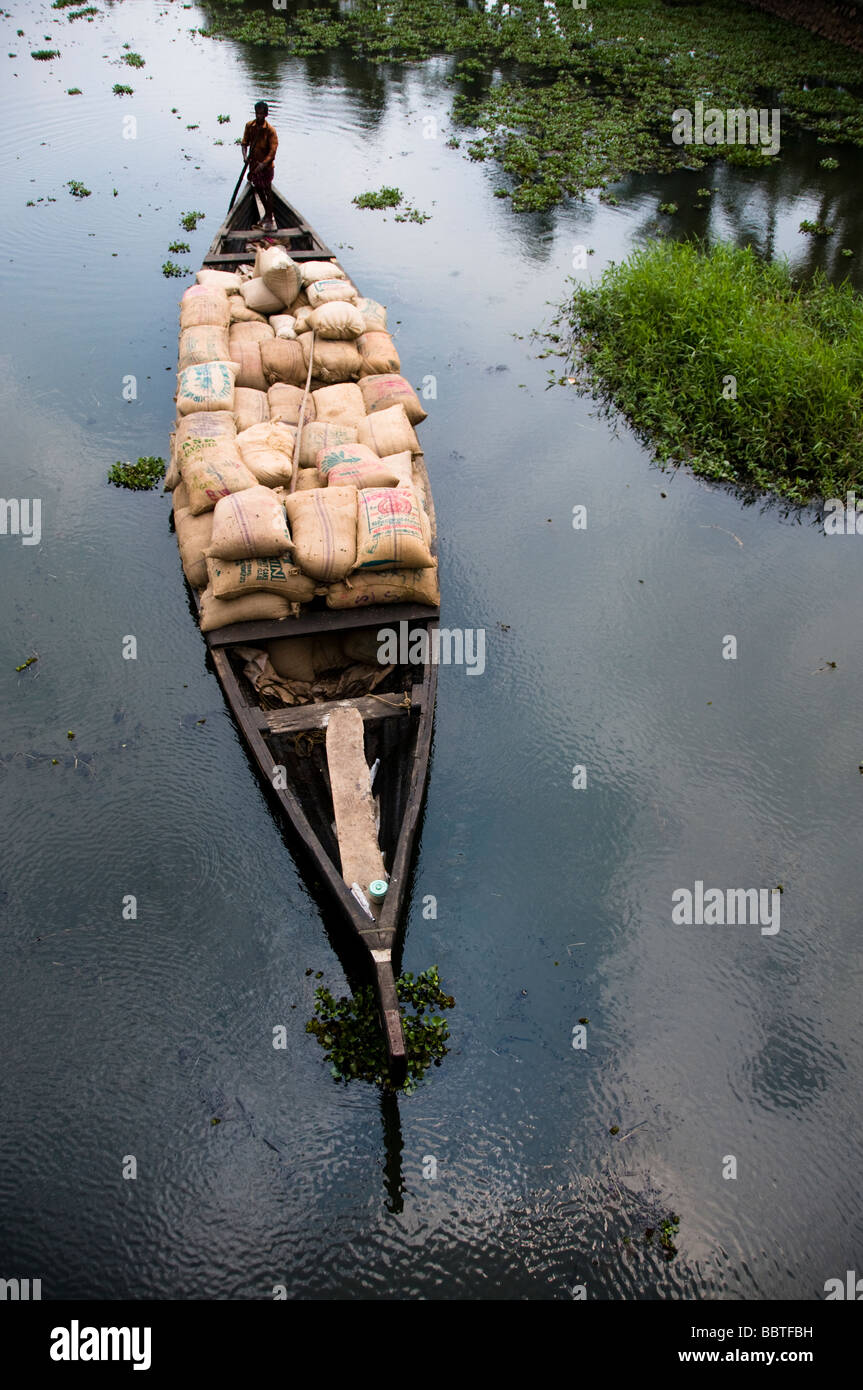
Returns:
(302,420)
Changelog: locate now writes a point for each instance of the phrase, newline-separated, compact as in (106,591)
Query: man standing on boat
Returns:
(260,142)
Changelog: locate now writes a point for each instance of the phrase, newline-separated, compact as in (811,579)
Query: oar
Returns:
(240,179)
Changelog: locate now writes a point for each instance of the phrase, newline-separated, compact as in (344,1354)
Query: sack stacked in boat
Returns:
(356,527)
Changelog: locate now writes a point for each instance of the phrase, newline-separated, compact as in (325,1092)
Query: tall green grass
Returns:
(660,334)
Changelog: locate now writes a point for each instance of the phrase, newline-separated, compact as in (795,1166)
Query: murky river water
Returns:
(604,649)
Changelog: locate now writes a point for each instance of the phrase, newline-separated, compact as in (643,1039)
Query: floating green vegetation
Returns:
(719,360)
(74,92)
(190,220)
(566,98)
(747,157)
(134,60)
(412,214)
(63,4)
(140,476)
(193,127)
(383,198)
(223,120)
(817,228)
(78,189)
(28,662)
(828,163)
(44,55)
(121,90)
(669,1229)
(180,248)
(669,208)
(349,1030)
(172,271)
(86,13)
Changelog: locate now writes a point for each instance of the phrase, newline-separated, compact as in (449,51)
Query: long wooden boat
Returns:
(397,717)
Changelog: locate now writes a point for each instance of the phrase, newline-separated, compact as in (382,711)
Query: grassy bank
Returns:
(585,95)
(720,361)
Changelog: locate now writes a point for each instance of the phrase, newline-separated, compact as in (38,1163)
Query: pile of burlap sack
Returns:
(356,527)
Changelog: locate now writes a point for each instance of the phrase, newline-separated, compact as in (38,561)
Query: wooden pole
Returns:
(239,180)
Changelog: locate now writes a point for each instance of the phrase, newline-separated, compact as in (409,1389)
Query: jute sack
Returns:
(304,658)
(389,432)
(204,424)
(330,291)
(249,524)
(301,320)
(386,586)
(193,537)
(247,357)
(241,313)
(283,360)
(335,321)
(301,302)
(202,307)
(293,657)
(363,645)
(286,402)
(283,325)
(321,270)
(251,608)
(250,407)
(388,389)
(259,298)
(379,355)
(274,574)
(279,273)
(353,465)
(374,315)
(180,498)
(226,280)
(211,469)
(333,362)
(206,344)
(324,525)
(254,332)
(173,477)
(323,435)
(342,404)
(268,450)
(307,478)
(402,466)
(209,386)
(390,532)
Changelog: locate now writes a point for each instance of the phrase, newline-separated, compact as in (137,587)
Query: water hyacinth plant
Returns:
(349,1031)
(138,477)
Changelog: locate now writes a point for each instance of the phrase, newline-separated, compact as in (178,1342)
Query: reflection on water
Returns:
(152,1036)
